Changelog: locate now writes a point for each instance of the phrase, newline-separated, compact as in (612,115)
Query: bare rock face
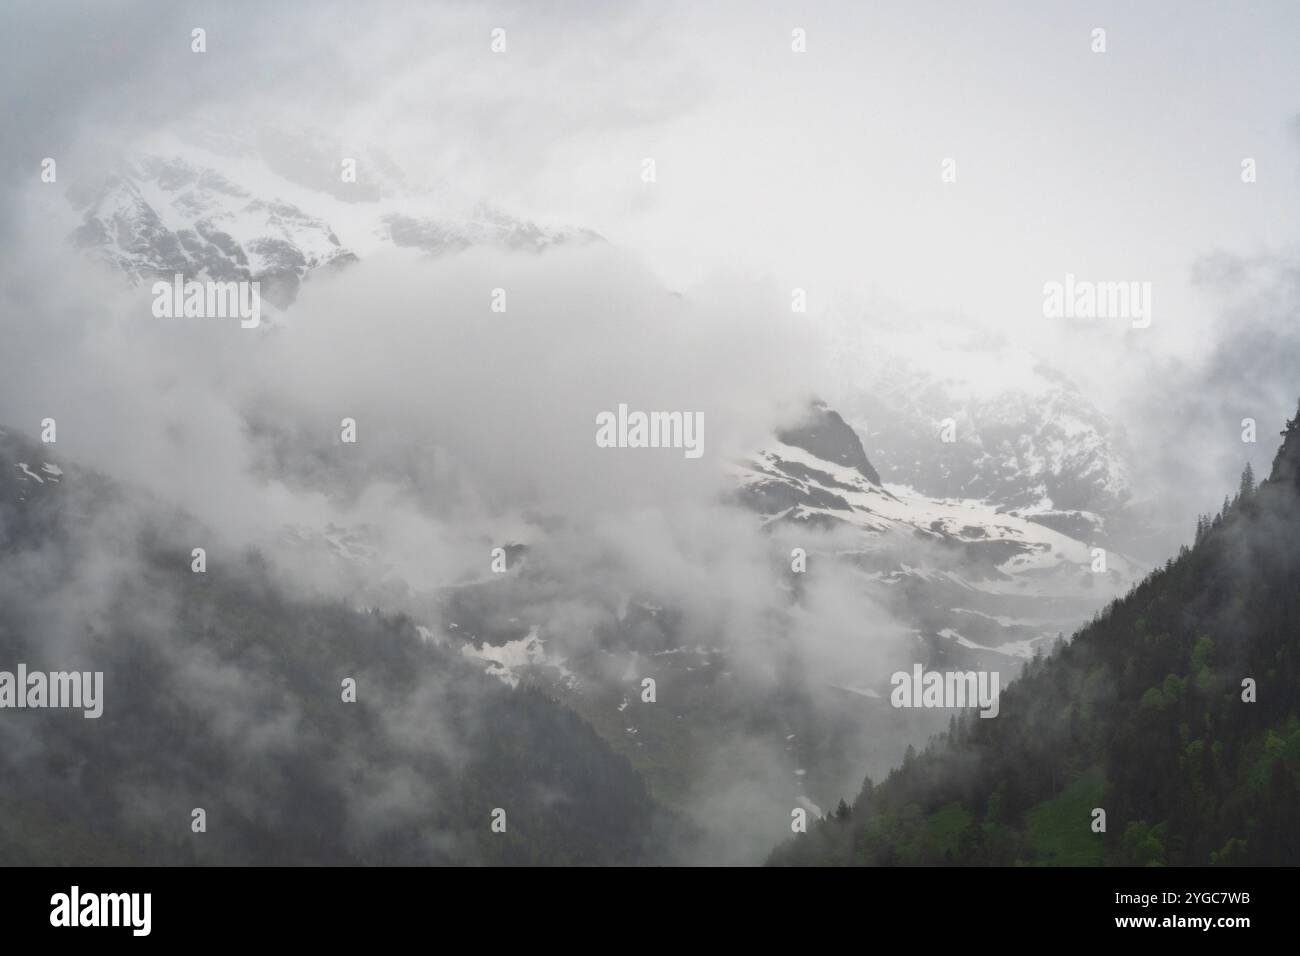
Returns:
(825,434)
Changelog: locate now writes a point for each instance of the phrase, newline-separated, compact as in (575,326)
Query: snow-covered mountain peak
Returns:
(275,207)
(1012,579)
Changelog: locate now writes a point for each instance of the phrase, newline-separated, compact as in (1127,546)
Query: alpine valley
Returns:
(624,727)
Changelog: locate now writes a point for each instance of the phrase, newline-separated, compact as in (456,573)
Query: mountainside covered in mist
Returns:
(273,207)
(769,698)
(966,586)
(1176,711)
(981,584)
(222,692)
(1023,438)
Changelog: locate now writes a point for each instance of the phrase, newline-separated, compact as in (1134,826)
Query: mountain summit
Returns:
(825,434)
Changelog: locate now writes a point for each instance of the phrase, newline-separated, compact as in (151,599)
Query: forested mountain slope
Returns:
(224,692)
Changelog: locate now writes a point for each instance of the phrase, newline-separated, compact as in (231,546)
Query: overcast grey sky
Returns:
(821,167)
